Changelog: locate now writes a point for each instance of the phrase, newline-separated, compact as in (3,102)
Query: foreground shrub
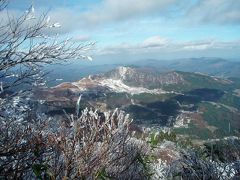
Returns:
(89,146)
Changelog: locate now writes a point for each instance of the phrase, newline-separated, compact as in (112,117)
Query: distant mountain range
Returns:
(194,104)
(211,66)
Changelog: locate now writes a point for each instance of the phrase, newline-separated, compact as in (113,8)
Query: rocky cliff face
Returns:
(143,77)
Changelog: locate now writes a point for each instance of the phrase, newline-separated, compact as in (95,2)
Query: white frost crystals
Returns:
(78,105)
(87,57)
(1,87)
(159,168)
(48,20)
(30,13)
(16,101)
(55,25)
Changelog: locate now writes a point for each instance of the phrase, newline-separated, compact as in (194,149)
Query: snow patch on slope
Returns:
(119,86)
(122,72)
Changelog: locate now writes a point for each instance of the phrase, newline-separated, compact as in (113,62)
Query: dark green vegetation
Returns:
(198,81)
(210,102)
(219,111)
(159,112)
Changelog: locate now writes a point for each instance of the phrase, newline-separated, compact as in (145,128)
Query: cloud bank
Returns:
(215,11)
(159,44)
(147,26)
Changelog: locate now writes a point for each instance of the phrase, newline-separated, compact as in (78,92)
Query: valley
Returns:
(192,104)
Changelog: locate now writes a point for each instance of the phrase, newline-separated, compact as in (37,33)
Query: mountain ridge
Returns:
(181,100)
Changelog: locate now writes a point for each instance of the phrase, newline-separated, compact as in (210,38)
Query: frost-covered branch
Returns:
(3,4)
(25,46)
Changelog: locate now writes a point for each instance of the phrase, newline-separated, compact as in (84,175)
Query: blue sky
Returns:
(138,29)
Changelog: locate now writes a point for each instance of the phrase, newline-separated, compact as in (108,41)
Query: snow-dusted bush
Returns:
(88,146)
(193,165)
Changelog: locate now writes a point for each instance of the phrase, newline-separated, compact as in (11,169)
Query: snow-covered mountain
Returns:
(144,77)
(179,99)
(123,80)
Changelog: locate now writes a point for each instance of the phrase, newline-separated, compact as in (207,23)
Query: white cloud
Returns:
(117,10)
(105,12)
(158,44)
(215,11)
(102,13)
(155,41)
(198,45)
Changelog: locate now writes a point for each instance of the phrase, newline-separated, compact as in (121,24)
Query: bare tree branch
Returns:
(3,4)
(24,44)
